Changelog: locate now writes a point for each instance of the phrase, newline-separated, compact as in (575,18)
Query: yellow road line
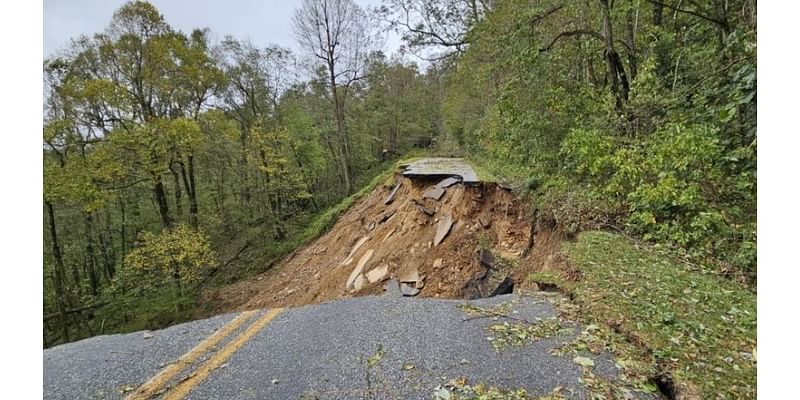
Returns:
(183,388)
(156,383)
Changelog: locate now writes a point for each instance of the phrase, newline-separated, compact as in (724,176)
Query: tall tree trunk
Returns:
(193,212)
(177,183)
(161,201)
(122,233)
(631,21)
(189,184)
(91,270)
(658,13)
(245,187)
(341,134)
(105,238)
(58,273)
(619,81)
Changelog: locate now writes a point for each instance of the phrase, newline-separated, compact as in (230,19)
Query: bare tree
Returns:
(339,36)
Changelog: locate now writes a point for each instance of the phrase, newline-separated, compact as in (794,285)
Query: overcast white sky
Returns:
(263,22)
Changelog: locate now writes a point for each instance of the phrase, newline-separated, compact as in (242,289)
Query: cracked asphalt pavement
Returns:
(387,347)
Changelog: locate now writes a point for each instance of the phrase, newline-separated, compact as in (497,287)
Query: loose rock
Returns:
(410,275)
(355,248)
(359,282)
(378,274)
(486,258)
(408,290)
(359,267)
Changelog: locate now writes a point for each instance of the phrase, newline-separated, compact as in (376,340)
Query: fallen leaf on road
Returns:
(584,361)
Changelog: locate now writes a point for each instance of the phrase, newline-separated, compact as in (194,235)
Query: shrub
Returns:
(674,186)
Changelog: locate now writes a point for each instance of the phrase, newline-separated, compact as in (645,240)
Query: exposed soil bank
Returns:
(398,238)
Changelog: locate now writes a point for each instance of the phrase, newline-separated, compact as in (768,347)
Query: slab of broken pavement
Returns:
(393,346)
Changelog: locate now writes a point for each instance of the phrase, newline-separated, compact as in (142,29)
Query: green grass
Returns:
(700,328)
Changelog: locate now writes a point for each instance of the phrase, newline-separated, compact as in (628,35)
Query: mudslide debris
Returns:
(421,207)
(358,244)
(402,237)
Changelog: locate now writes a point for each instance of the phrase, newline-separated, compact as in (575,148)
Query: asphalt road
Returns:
(387,347)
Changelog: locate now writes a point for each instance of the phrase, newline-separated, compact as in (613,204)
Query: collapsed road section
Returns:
(434,230)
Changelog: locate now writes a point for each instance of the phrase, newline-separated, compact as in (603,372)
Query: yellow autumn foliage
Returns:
(179,252)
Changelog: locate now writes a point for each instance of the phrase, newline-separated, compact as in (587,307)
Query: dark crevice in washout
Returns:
(665,385)
(549,287)
(505,287)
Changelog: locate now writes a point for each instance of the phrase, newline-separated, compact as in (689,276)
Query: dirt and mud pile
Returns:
(427,236)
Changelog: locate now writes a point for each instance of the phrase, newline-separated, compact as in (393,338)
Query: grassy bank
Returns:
(698,329)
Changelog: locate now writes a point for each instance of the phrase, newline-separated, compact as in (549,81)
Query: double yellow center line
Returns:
(156,384)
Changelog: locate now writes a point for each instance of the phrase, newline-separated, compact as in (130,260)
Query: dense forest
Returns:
(167,155)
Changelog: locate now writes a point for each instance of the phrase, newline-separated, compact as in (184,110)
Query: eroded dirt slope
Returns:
(396,241)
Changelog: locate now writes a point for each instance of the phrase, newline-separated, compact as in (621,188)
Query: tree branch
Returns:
(535,20)
(577,32)
(690,12)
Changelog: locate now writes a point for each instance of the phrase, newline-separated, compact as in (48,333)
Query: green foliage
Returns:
(178,255)
(673,161)
(674,185)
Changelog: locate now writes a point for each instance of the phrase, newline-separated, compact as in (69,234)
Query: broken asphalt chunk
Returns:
(506,185)
(392,288)
(448,182)
(390,198)
(385,216)
(421,207)
(435,193)
(425,210)
(439,166)
(408,290)
(442,229)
